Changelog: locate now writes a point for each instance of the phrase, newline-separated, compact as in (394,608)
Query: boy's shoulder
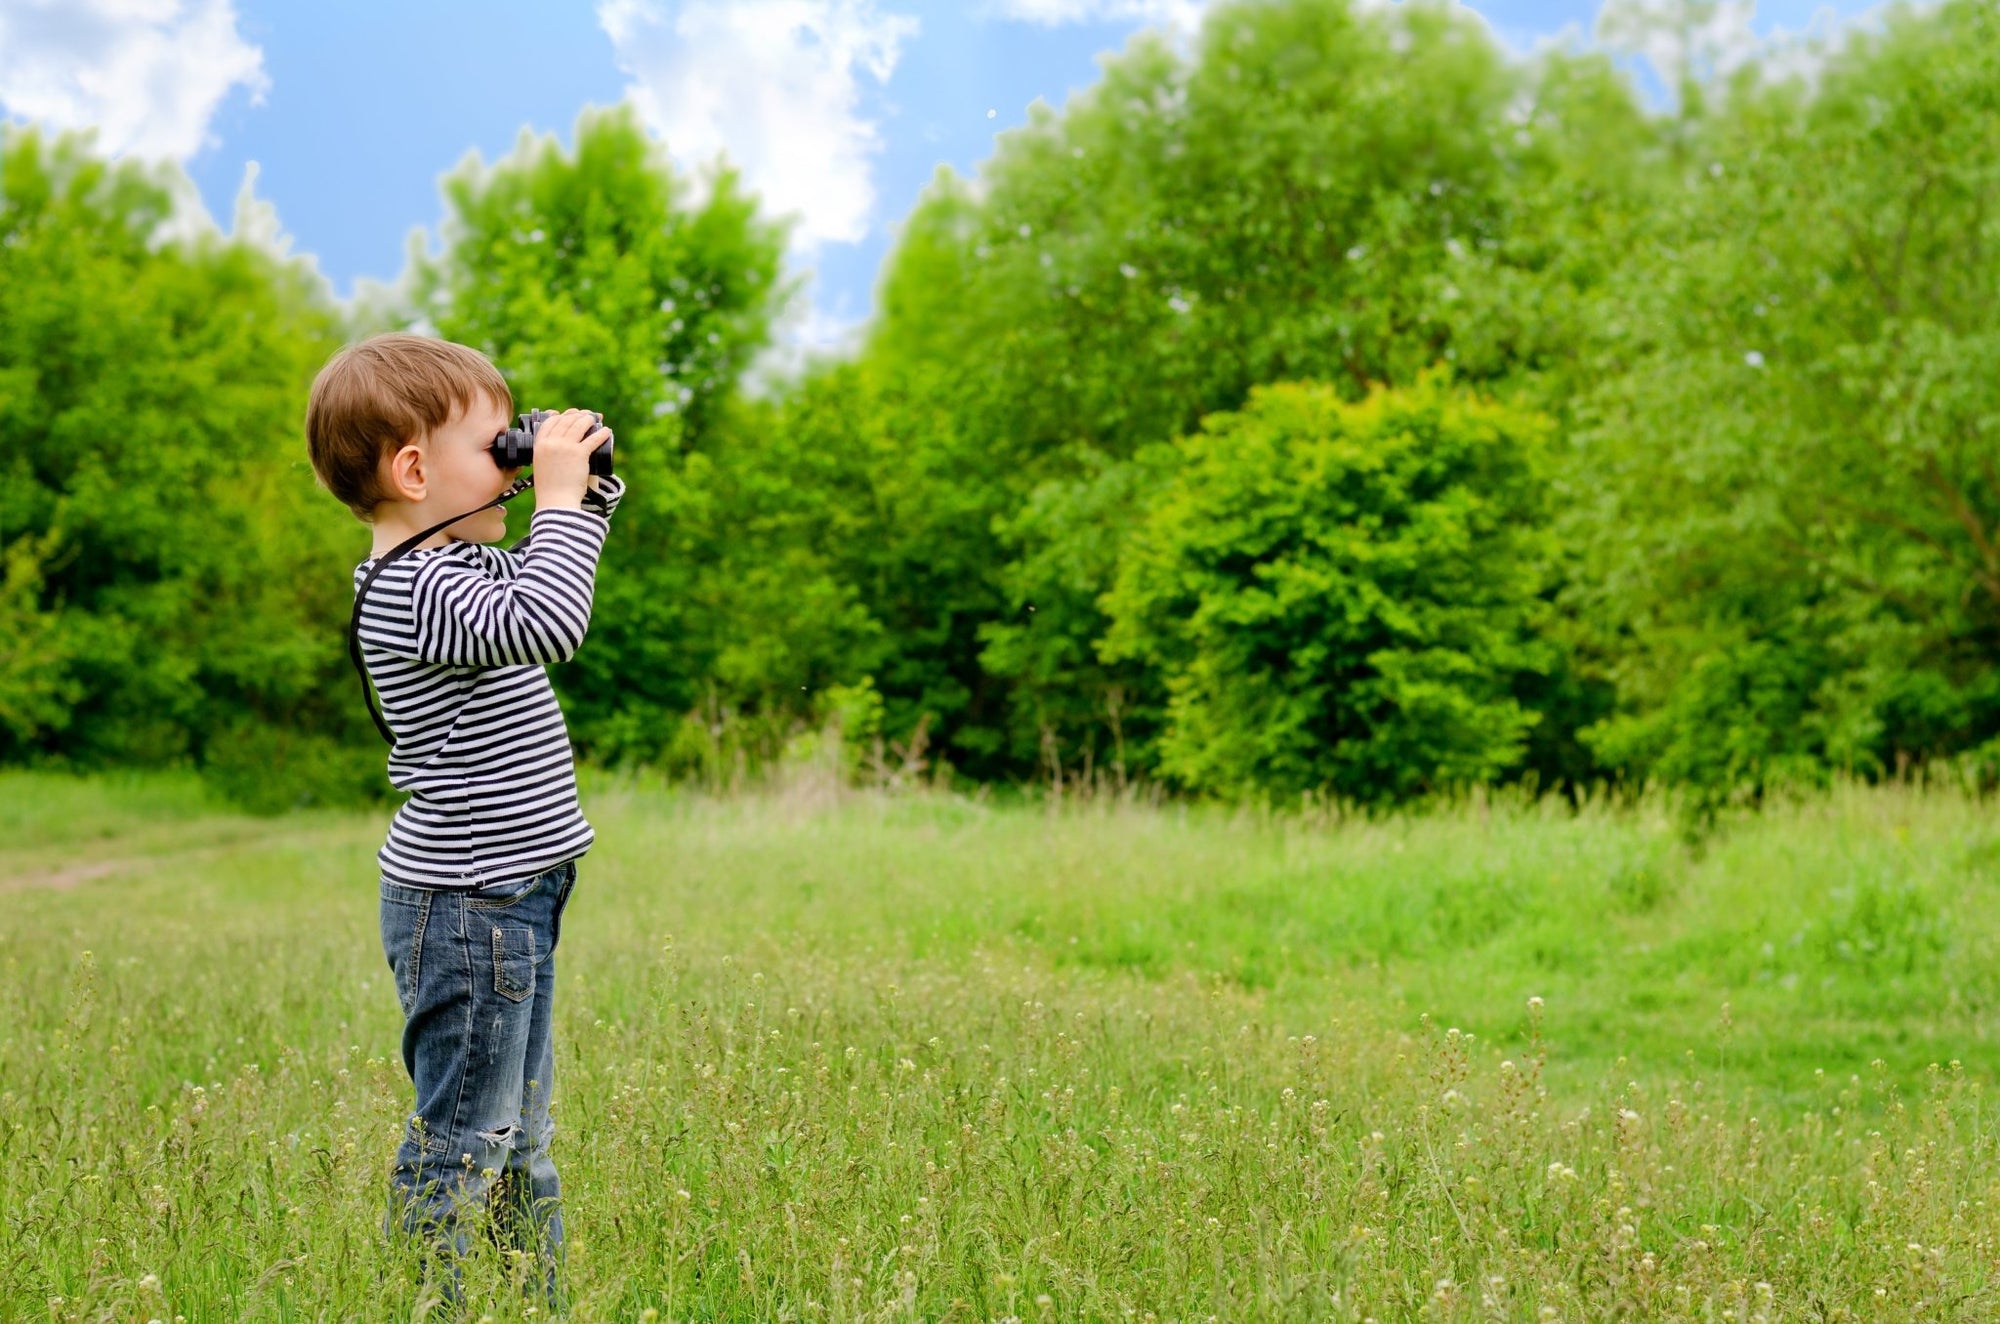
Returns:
(478,556)
(406,593)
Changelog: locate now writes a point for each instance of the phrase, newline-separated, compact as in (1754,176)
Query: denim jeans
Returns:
(476,977)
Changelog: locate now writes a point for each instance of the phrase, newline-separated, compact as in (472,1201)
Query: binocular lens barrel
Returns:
(515,448)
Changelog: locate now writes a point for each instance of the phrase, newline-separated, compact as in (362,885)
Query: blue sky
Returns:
(837,109)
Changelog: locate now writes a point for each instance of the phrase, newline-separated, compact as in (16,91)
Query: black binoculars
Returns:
(515,448)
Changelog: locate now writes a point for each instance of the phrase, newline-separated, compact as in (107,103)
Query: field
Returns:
(837,1056)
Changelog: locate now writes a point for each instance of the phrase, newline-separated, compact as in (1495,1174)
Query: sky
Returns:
(342,116)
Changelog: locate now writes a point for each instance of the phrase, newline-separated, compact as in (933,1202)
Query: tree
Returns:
(1338,596)
(171,571)
(594,277)
(1339,192)
(1795,501)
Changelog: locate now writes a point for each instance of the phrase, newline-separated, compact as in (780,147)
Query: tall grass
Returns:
(830,1057)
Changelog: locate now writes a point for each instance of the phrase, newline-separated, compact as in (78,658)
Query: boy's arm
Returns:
(602,496)
(465,617)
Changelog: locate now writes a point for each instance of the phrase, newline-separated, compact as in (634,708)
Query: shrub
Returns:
(1338,595)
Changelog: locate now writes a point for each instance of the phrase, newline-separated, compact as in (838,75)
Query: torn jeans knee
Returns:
(507,1137)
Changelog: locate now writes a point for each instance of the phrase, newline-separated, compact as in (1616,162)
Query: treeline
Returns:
(1342,407)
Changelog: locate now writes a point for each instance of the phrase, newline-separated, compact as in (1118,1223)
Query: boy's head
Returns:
(406,419)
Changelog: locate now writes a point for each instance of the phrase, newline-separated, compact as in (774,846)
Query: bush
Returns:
(270,769)
(1337,595)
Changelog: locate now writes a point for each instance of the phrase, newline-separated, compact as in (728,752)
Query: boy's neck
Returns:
(397,520)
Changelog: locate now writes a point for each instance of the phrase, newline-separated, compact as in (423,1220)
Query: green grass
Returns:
(841,1057)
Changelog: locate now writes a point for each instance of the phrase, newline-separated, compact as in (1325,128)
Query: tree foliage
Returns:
(1796,534)
(1347,194)
(594,277)
(1338,405)
(1337,597)
(169,570)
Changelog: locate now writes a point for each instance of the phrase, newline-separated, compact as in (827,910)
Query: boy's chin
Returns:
(480,530)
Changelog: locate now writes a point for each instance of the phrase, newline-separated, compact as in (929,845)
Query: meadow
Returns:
(837,1055)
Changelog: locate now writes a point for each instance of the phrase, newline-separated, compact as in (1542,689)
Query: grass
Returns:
(855,1057)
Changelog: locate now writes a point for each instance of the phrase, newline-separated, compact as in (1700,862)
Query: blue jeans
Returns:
(476,977)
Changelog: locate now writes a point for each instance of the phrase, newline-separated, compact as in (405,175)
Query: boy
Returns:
(480,860)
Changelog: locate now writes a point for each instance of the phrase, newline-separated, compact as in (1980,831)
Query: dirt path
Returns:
(58,873)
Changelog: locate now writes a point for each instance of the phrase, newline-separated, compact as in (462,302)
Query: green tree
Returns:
(1063,546)
(593,276)
(171,572)
(1339,596)
(1788,485)
(1340,192)
(901,501)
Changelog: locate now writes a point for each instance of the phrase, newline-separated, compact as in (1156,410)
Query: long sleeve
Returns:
(533,607)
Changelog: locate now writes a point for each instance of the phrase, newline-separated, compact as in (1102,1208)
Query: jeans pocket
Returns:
(481,898)
(513,962)
(403,944)
(562,903)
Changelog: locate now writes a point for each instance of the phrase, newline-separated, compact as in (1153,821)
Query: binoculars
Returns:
(515,448)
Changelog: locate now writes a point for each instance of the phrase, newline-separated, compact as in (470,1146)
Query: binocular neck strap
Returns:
(402,549)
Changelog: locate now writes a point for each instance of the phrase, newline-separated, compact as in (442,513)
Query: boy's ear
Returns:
(404,475)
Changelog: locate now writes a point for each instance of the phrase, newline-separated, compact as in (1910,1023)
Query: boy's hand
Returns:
(562,459)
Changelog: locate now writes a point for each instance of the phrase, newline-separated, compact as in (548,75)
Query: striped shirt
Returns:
(457,639)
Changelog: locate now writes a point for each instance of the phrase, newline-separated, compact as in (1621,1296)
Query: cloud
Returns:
(255,221)
(1681,41)
(776,86)
(1712,42)
(808,332)
(146,74)
(1181,14)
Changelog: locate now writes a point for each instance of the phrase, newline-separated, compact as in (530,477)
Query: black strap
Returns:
(403,548)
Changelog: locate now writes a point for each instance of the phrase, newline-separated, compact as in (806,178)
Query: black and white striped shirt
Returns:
(456,639)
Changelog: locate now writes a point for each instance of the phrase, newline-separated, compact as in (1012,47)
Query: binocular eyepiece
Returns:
(515,448)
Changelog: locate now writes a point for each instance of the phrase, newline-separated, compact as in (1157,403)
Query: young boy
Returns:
(481,859)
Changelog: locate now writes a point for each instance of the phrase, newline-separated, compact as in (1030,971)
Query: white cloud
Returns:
(146,74)
(1804,53)
(807,332)
(256,219)
(1709,42)
(1184,15)
(1682,40)
(777,87)
(254,222)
